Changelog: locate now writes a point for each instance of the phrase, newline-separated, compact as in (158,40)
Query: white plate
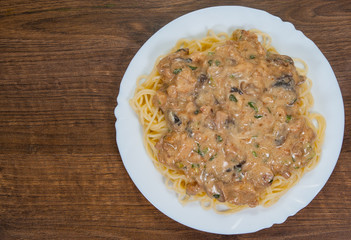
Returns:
(287,40)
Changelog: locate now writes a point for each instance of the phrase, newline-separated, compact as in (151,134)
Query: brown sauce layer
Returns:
(233,119)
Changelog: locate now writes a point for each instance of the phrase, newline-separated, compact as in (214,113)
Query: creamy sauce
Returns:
(233,119)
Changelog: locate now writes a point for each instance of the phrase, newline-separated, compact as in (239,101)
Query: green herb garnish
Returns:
(213,157)
(258,116)
(216,196)
(233,98)
(177,70)
(180,165)
(192,67)
(252,56)
(195,165)
(254,153)
(232,75)
(219,138)
(210,62)
(217,62)
(253,106)
(211,81)
(201,152)
(288,118)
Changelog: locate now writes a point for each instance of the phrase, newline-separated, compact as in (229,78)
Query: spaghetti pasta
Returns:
(155,122)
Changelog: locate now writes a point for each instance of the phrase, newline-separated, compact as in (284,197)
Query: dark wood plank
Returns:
(61,175)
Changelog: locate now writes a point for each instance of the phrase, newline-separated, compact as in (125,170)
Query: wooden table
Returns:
(61,64)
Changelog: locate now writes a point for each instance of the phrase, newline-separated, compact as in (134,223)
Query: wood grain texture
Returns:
(61,64)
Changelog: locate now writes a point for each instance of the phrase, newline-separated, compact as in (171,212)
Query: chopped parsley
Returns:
(192,67)
(237,168)
(195,165)
(253,106)
(180,165)
(219,138)
(216,196)
(201,152)
(295,99)
(213,157)
(177,70)
(233,98)
(211,81)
